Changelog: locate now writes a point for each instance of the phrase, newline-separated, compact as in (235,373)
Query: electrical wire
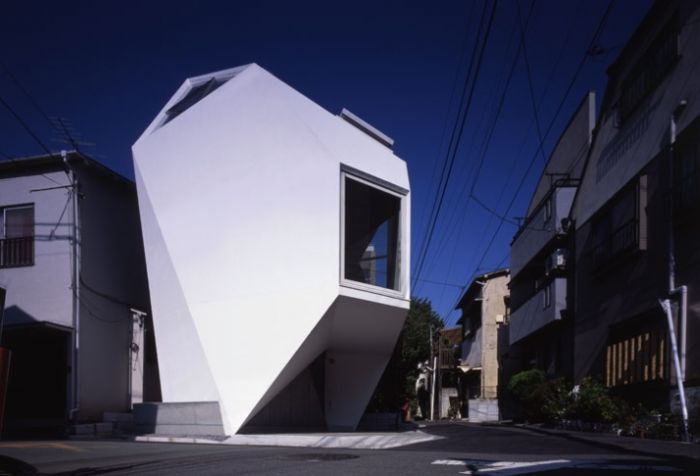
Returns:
(486,143)
(460,129)
(598,31)
(434,208)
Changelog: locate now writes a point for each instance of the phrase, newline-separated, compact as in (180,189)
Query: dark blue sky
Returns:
(108,67)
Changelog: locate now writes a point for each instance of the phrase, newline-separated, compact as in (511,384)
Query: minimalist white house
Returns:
(277,246)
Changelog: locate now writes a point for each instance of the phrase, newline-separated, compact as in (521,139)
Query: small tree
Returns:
(413,347)
(542,400)
(592,403)
(525,387)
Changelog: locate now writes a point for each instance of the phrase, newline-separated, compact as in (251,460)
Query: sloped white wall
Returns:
(240,205)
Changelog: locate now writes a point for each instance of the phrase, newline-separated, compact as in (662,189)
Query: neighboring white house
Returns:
(259,211)
(72,262)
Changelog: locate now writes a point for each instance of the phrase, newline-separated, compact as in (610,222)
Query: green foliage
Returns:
(554,397)
(399,378)
(594,404)
(542,400)
(416,332)
(523,384)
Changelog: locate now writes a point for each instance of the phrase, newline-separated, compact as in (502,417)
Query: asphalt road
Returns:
(465,449)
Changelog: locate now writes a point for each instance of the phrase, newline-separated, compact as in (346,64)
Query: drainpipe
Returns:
(75,272)
(679,358)
(674,290)
(666,306)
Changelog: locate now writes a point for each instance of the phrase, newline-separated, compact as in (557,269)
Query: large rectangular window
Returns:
(659,58)
(371,231)
(621,227)
(16,236)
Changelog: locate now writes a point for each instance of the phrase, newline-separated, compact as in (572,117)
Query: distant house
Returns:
(542,280)
(484,309)
(448,347)
(261,210)
(636,215)
(71,259)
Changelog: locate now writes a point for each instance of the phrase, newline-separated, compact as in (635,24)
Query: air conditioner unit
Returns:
(559,258)
(500,319)
(556,260)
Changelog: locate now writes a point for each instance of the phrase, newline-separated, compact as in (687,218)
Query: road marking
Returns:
(31,445)
(514,468)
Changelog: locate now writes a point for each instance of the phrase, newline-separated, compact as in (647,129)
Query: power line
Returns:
(529,81)
(451,101)
(25,126)
(597,33)
(487,141)
(459,131)
(24,90)
(442,185)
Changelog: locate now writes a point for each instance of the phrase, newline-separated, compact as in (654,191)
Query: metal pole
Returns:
(666,305)
(432,393)
(75,274)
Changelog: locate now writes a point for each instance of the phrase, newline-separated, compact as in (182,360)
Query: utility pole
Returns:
(75,285)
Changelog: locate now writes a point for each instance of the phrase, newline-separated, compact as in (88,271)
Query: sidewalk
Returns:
(365,441)
(662,448)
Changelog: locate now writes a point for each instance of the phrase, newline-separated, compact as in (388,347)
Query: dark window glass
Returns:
(371,235)
(646,75)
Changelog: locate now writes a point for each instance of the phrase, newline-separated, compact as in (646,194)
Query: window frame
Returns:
(3,235)
(349,173)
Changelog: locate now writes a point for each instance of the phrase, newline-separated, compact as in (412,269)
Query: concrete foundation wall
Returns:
(483,410)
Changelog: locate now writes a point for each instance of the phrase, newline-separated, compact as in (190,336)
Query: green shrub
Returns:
(593,403)
(540,399)
(554,399)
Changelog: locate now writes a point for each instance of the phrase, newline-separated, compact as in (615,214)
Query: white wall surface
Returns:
(41,292)
(240,205)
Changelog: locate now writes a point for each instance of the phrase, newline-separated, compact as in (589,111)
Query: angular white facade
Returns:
(277,245)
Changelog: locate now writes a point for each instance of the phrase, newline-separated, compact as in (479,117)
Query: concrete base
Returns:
(483,410)
(177,419)
(368,441)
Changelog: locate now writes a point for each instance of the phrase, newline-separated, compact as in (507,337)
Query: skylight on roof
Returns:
(194,95)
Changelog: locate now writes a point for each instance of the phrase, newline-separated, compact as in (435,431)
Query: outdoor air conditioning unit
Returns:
(559,258)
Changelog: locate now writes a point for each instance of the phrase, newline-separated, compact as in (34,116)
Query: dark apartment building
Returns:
(636,215)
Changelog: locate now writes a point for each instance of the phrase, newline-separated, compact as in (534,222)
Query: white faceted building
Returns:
(277,245)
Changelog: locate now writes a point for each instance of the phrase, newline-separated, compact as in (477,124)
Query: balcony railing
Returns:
(15,252)
(624,239)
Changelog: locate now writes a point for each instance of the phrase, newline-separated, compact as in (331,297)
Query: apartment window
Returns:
(16,236)
(371,233)
(621,227)
(547,296)
(547,210)
(649,71)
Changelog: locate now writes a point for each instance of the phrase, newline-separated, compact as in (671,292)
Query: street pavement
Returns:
(460,449)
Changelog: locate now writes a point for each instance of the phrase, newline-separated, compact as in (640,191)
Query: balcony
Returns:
(15,252)
(623,240)
(541,228)
(541,309)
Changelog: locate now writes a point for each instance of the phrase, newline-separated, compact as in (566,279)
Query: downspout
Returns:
(666,305)
(75,272)
(673,290)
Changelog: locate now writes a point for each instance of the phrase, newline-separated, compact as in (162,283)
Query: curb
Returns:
(345,441)
(631,445)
